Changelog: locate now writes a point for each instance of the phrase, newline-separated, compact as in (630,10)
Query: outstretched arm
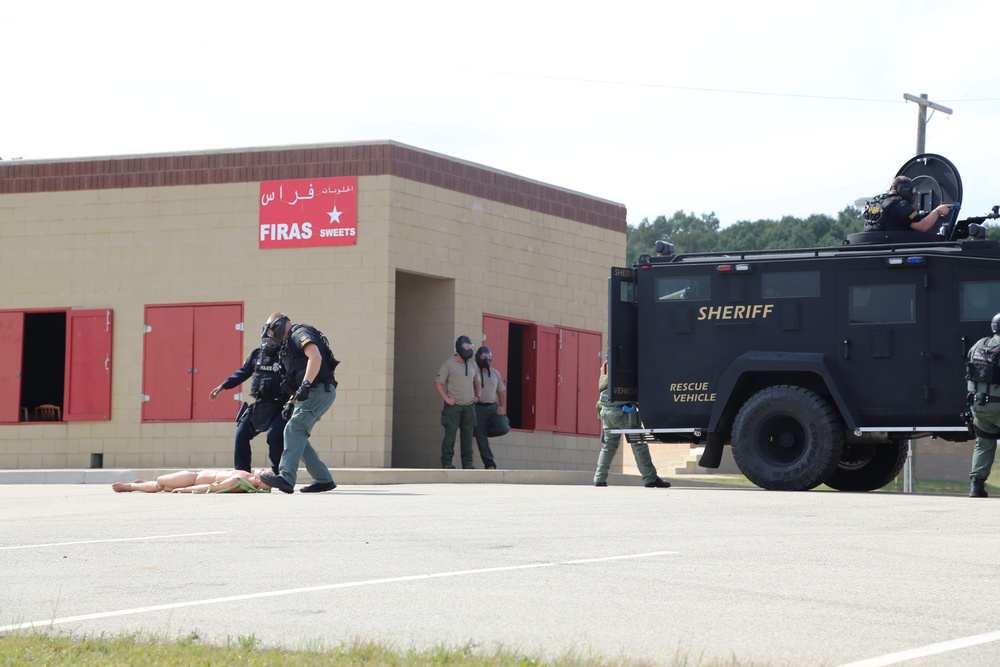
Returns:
(928,220)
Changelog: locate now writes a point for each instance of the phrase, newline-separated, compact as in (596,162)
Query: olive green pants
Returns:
(986,418)
(612,417)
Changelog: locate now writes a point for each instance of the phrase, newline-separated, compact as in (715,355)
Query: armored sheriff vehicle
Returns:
(816,365)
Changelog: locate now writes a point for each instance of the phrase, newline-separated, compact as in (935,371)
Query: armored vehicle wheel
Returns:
(868,467)
(787,438)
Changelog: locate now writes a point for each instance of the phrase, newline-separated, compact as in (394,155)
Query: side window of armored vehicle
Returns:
(882,304)
(789,284)
(626,292)
(979,301)
(688,288)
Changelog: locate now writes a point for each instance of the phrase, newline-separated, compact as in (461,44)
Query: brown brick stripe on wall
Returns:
(308,162)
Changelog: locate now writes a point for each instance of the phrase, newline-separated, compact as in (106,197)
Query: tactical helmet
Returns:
(995,323)
(484,358)
(461,349)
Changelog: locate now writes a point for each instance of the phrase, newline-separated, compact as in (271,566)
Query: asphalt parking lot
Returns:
(810,578)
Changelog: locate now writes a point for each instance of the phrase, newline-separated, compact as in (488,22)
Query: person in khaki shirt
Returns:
(492,404)
(459,388)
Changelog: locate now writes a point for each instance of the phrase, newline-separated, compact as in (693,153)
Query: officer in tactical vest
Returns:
(983,377)
(620,415)
(263,369)
(307,367)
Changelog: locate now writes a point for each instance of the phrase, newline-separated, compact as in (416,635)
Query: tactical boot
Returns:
(978,489)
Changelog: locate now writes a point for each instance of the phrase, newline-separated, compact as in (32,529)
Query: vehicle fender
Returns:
(779,364)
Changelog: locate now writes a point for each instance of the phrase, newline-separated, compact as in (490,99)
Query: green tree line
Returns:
(691,233)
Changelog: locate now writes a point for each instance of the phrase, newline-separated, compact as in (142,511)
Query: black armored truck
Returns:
(816,365)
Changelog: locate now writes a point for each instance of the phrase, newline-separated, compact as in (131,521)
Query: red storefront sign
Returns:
(309,212)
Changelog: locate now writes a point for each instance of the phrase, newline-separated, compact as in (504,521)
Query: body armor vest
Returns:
(265,384)
(982,364)
(875,213)
(295,361)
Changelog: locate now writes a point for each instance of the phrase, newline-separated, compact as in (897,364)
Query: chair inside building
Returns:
(48,413)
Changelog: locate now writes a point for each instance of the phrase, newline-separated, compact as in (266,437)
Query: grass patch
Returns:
(38,648)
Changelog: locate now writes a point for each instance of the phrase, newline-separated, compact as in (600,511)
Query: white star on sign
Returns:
(334,215)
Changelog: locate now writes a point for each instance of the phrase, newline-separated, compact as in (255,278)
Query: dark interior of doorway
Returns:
(515,371)
(43,360)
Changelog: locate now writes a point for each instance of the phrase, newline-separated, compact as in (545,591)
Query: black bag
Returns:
(631,413)
(499,425)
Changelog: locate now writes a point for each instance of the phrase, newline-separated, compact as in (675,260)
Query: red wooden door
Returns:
(218,345)
(497,333)
(587,422)
(88,365)
(546,376)
(567,385)
(11,339)
(167,367)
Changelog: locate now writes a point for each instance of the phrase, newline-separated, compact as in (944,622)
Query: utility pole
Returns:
(922,116)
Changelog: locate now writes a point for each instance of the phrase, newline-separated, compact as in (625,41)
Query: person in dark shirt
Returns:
(893,211)
(263,368)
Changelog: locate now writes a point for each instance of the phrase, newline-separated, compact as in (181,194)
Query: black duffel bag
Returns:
(499,425)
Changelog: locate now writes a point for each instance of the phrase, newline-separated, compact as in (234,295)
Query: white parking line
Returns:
(312,589)
(120,539)
(924,651)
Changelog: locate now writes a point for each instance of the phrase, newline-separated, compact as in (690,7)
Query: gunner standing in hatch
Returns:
(893,211)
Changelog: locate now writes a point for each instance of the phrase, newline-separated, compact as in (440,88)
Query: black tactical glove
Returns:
(286,412)
(303,391)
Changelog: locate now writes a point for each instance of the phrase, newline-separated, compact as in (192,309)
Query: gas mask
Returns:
(484,358)
(273,335)
(463,347)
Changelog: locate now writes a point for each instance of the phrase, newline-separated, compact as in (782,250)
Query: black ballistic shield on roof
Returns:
(936,181)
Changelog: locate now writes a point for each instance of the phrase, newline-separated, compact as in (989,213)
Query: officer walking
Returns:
(984,400)
(264,414)
(613,416)
(307,369)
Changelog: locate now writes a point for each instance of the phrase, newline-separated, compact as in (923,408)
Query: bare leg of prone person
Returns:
(138,485)
(174,480)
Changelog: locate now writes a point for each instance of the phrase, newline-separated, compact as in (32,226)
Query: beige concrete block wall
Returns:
(509,262)
(125,249)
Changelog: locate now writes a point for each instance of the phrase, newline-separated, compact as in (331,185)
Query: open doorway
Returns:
(424,338)
(43,363)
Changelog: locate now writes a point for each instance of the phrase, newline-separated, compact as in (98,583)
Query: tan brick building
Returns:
(131,286)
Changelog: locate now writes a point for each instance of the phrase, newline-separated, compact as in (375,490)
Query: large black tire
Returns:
(866,467)
(787,438)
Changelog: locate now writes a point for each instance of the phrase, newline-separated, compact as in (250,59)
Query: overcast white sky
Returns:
(748,109)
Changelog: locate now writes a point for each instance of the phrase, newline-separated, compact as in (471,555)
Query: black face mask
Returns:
(461,349)
(484,358)
(272,335)
(269,347)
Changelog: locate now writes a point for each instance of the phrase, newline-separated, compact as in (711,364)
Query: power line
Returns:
(699,89)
